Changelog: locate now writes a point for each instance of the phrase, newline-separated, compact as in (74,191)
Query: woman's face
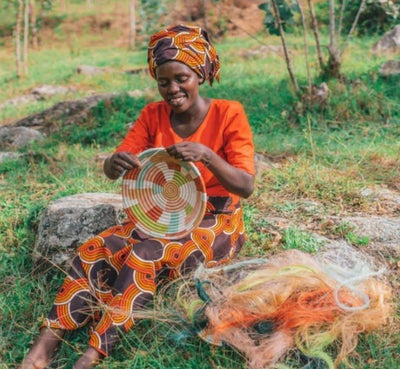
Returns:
(178,85)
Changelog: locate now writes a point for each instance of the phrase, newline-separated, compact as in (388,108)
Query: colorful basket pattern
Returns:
(166,197)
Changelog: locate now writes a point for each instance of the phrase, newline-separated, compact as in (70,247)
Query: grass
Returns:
(321,160)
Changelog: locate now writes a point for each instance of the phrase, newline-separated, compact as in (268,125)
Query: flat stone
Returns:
(9,155)
(18,136)
(70,221)
(389,42)
(390,68)
(378,229)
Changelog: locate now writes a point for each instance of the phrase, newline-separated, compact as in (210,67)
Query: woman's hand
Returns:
(235,180)
(190,151)
(119,162)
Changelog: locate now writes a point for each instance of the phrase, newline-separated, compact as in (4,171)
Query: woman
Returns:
(117,271)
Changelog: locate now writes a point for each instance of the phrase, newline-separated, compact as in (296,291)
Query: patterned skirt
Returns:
(117,271)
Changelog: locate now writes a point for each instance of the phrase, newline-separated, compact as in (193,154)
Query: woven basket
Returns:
(166,197)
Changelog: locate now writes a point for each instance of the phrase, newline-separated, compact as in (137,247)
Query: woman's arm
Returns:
(235,180)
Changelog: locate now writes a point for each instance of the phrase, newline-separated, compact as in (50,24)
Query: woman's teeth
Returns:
(176,100)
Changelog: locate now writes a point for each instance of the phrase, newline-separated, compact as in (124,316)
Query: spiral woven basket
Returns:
(166,197)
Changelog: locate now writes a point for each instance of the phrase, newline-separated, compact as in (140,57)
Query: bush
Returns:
(377,17)
(107,123)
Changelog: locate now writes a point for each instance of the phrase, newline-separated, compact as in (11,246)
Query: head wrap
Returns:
(186,44)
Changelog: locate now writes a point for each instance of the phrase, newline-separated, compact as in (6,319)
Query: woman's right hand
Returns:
(119,162)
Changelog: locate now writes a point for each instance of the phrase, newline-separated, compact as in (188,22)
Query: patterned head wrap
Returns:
(186,44)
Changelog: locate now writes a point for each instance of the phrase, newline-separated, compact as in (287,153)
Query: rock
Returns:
(73,111)
(90,70)
(18,136)
(138,70)
(136,93)
(262,163)
(389,42)
(38,93)
(390,68)
(319,94)
(69,221)
(379,229)
(262,51)
(385,199)
(45,91)
(383,234)
(8,155)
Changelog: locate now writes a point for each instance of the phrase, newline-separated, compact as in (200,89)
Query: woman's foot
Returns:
(89,359)
(41,352)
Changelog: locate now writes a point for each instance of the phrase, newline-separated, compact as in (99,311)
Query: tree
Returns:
(32,10)
(280,13)
(18,38)
(132,24)
(26,35)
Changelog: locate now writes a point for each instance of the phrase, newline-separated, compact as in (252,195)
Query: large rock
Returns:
(383,233)
(18,136)
(379,229)
(389,42)
(9,155)
(42,92)
(390,68)
(71,112)
(70,221)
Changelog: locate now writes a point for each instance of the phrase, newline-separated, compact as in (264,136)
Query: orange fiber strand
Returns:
(292,301)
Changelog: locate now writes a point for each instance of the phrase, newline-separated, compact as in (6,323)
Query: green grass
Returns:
(324,155)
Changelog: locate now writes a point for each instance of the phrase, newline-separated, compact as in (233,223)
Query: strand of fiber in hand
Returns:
(166,197)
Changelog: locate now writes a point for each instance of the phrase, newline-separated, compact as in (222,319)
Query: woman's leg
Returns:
(41,352)
(89,359)
(85,287)
(216,241)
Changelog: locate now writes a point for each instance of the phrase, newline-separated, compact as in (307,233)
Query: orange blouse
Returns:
(225,130)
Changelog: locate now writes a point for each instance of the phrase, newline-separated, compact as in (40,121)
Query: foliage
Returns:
(107,123)
(376,18)
(150,12)
(295,238)
(287,10)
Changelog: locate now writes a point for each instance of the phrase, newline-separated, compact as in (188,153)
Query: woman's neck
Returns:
(186,123)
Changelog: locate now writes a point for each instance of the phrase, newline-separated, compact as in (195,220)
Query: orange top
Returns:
(225,130)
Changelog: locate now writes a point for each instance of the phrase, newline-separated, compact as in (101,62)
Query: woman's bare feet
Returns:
(89,359)
(42,350)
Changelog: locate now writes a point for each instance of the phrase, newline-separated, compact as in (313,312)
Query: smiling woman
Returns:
(117,272)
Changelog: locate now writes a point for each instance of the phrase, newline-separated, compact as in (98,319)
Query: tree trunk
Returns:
(35,43)
(285,49)
(333,68)
(332,38)
(26,35)
(18,38)
(353,26)
(63,6)
(316,34)
(132,24)
(188,10)
(341,17)
(304,24)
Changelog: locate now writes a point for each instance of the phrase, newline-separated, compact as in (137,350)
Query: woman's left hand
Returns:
(189,151)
